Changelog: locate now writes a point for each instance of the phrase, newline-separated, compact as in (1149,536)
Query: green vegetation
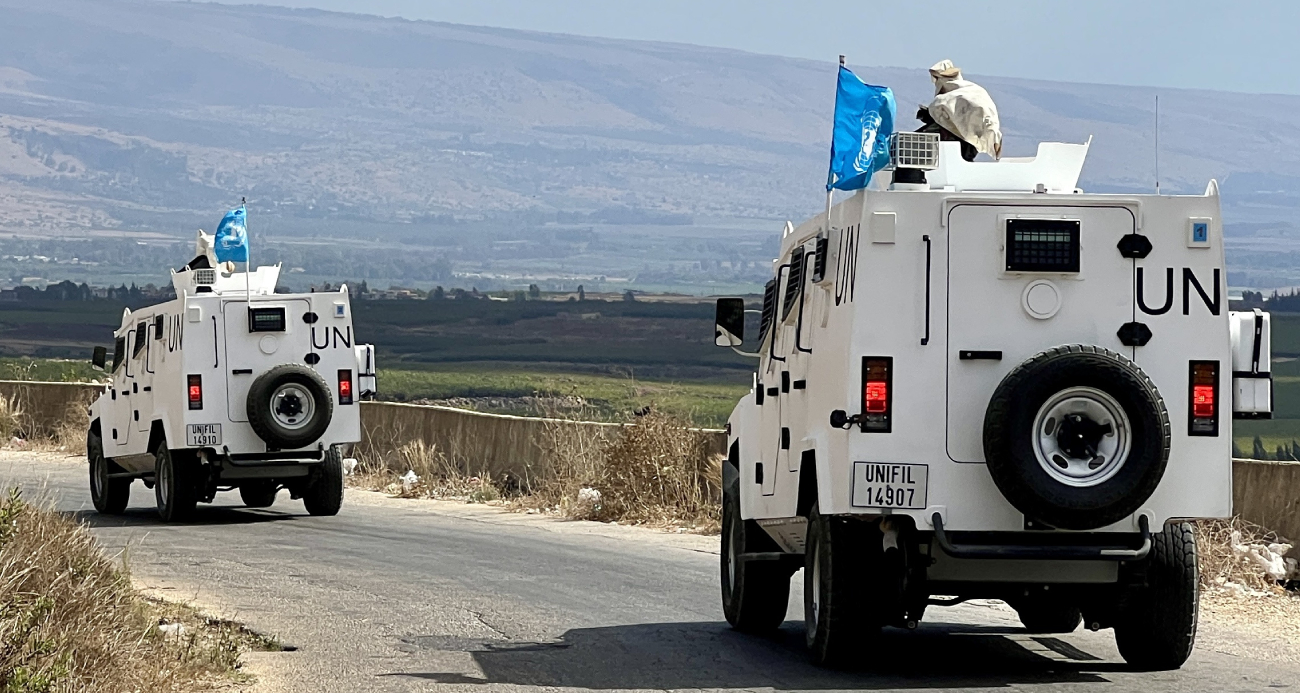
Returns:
(48,370)
(530,391)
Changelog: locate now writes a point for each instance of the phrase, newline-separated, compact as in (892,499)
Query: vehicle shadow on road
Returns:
(203,515)
(711,655)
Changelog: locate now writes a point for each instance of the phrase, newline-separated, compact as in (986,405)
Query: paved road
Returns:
(396,595)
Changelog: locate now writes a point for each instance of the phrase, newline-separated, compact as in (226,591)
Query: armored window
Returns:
(793,283)
(769,307)
(119,351)
(1042,245)
(157,327)
(141,337)
(266,319)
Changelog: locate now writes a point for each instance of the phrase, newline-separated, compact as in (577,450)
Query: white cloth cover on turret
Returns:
(965,109)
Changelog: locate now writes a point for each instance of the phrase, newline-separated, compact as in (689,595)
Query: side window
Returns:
(793,283)
(769,307)
(119,351)
(141,335)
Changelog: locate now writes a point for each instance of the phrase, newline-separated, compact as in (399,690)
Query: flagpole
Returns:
(248,253)
(830,192)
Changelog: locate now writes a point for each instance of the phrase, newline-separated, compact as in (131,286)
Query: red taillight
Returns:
(1202,401)
(875,397)
(345,386)
(877,401)
(1203,409)
(196,391)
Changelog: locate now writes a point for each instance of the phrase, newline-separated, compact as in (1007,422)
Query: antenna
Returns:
(1157,143)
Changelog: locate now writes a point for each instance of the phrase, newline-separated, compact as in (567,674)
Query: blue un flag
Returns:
(864,120)
(232,237)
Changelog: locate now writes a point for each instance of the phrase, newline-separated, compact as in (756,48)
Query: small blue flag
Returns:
(864,120)
(232,237)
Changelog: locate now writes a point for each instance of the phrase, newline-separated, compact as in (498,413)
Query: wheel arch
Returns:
(157,435)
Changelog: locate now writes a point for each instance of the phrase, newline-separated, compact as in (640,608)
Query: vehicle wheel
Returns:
(289,406)
(110,496)
(1042,615)
(1077,437)
(1157,629)
(258,494)
(755,594)
(175,485)
(324,493)
(838,623)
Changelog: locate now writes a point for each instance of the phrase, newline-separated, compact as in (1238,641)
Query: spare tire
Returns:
(290,407)
(1077,437)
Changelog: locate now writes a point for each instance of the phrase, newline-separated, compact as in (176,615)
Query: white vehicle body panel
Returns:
(874,300)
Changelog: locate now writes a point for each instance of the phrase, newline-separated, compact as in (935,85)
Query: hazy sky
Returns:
(1238,46)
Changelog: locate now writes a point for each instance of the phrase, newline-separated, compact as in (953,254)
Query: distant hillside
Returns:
(120,114)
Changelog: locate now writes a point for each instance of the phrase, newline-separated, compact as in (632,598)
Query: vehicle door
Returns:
(115,422)
(258,338)
(1027,278)
(149,332)
(794,375)
(768,437)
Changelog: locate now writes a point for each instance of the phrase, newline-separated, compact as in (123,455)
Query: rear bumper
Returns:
(1043,546)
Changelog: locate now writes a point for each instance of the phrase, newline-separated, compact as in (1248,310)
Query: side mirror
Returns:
(729,322)
(98,358)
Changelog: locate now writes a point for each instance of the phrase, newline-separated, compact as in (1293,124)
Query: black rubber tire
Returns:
(839,557)
(1157,628)
(258,494)
(1042,615)
(175,484)
(324,492)
(262,419)
(755,594)
(1009,437)
(110,496)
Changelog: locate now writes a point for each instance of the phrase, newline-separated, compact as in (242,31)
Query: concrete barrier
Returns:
(1265,493)
(47,406)
(1268,494)
(498,445)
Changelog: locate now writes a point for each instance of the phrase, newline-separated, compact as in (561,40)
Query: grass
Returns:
(656,471)
(525,391)
(71,621)
(48,370)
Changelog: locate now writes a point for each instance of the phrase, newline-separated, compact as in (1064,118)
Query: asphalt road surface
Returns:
(407,595)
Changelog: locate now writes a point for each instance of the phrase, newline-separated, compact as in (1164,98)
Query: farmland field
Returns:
(599,358)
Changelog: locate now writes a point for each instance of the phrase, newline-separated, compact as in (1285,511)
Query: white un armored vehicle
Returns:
(976,381)
(230,385)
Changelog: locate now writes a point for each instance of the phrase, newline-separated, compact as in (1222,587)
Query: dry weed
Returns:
(426,472)
(13,419)
(70,620)
(654,471)
(1230,553)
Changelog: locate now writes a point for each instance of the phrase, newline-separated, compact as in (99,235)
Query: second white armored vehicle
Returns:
(230,385)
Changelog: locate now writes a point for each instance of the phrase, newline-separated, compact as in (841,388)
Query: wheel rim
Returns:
(164,480)
(292,406)
(1082,437)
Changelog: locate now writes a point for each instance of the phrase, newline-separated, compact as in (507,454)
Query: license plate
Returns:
(202,435)
(889,485)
